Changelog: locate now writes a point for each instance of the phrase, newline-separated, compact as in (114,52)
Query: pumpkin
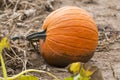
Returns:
(71,35)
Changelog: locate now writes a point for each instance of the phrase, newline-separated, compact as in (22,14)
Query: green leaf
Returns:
(91,70)
(76,77)
(69,78)
(84,78)
(89,73)
(74,68)
(26,77)
(4,43)
(83,74)
(79,72)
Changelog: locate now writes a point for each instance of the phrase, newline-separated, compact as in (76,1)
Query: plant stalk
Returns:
(3,66)
(36,36)
(32,70)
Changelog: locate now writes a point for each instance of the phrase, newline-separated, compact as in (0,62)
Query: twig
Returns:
(25,57)
(11,60)
(17,55)
(32,4)
(5,3)
(113,72)
(33,19)
(12,31)
(30,30)
(7,54)
(25,60)
(24,53)
(15,8)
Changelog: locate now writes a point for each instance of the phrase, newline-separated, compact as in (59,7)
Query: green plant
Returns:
(79,72)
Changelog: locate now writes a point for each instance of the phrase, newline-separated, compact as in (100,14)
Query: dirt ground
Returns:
(26,16)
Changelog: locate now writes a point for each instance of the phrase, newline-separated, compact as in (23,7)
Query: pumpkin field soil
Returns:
(22,17)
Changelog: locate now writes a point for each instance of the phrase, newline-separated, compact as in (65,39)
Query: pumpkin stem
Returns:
(36,36)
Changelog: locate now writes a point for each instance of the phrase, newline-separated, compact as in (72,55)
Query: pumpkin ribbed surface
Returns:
(71,35)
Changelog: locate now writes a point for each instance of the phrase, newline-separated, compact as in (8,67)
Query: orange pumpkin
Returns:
(71,35)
